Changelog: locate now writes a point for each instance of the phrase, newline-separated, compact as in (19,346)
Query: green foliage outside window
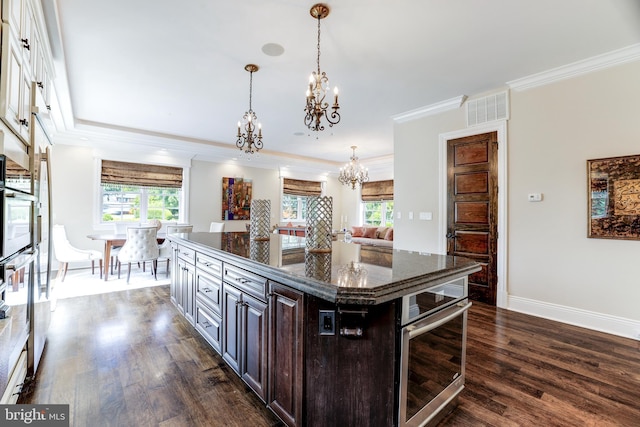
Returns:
(378,213)
(132,203)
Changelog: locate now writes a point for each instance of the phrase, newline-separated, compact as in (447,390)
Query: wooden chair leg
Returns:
(100,263)
(93,267)
(128,273)
(167,272)
(119,264)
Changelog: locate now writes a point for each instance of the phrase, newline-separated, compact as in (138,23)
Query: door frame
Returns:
(501,128)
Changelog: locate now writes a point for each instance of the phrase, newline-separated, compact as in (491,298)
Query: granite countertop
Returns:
(349,274)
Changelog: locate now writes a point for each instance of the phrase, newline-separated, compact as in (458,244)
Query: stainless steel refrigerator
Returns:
(41,291)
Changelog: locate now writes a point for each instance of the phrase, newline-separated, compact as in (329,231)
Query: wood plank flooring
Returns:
(129,359)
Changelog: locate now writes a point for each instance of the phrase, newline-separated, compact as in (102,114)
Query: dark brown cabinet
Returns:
(286,343)
(244,345)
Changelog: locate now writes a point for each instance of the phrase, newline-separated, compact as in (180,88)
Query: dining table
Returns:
(114,240)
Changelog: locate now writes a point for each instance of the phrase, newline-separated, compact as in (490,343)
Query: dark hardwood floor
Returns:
(129,359)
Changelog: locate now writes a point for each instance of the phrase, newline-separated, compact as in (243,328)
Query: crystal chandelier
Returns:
(248,141)
(352,275)
(316,106)
(353,172)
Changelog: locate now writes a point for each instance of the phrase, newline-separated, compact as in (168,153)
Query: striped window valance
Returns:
(297,187)
(124,173)
(377,190)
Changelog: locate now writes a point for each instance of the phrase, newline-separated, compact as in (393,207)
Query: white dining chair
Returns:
(66,253)
(141,246)
(216,227)
(165,247)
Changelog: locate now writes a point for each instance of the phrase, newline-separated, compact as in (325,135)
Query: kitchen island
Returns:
(327,339)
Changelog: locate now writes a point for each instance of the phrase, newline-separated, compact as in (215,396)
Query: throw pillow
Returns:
(370,232)
(381,232)
(389,235)
(357,231)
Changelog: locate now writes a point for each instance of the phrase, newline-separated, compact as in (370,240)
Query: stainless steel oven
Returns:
(16,207)
(433,351)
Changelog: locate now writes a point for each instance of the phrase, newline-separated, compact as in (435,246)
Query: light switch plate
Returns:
(535,197)
(410,215)
(426,216)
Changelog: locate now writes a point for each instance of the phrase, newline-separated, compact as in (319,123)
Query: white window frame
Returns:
(382,216)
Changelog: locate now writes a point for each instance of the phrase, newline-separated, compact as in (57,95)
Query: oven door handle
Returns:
(415,331)
(22,261)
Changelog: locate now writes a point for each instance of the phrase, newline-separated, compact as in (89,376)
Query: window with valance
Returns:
(295,193)
(135,192)
(377,203)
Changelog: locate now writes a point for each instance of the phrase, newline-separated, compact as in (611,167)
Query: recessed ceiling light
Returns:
(234,158)
(84,138)
(272,49)
(298,133)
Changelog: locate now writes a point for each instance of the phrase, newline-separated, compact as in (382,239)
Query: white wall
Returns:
(75,179)
(554,270)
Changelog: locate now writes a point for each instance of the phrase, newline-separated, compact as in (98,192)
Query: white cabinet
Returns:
(25,59)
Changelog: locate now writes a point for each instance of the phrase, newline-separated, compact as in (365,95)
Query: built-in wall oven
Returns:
(432,365)
(16,207)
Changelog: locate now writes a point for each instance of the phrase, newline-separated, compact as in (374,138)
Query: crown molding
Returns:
(430,110)
(595,63)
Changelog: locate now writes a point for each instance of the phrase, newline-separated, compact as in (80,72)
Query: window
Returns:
(139,204)
(378,213)
(294,208)
(295,195)
(377,203)
(138,193)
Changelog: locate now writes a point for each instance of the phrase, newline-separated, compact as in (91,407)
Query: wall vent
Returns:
(488,109)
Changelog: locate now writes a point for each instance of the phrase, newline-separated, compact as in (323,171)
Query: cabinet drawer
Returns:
(186,254)
(208,291)
(210,265)
(246,281)
(209,326)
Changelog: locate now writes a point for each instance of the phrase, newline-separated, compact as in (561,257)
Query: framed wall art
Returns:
(236,199)
(614,197)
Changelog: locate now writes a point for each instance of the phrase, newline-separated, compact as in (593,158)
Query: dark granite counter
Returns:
(349,274)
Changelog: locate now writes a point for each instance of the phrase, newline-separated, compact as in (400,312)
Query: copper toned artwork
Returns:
(614,197)
(236,199)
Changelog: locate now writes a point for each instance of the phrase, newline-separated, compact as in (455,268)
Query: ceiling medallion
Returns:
(353,172)
(248,141)
(316,107)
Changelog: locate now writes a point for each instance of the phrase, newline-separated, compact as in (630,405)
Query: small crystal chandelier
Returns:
(353,172)
(247,138)
(316,106)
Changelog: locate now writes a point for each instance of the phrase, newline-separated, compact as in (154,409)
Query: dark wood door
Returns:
(286,313)
(472,208)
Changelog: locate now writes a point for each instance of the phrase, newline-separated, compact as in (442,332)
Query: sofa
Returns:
(368,235)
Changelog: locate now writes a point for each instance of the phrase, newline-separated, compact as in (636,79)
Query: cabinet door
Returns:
(232,320)
(286,365)
(209,291)
(185,288)
(175,268)
(11,80)
(209,324)
(189,292)
(254,333)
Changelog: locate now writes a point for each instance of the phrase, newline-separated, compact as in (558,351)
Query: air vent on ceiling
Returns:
(488,109)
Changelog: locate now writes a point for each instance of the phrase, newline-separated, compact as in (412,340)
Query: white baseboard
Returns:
(574,316)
